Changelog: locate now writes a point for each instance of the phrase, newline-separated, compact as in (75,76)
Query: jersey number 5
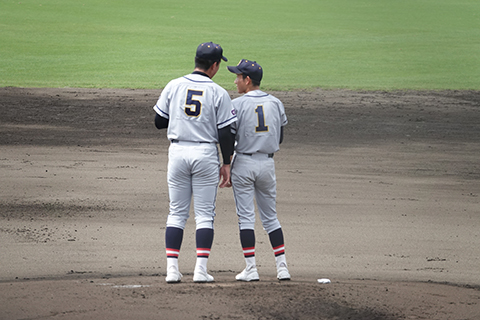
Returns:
(261,120)
(197,105)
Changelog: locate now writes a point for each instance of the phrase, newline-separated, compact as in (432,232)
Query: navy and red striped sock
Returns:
(277,242)
(247,239)
(173,241)
(204,241)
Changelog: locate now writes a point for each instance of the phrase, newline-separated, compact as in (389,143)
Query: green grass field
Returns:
(356,44)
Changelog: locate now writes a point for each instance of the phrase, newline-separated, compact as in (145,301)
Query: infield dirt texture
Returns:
(377,191)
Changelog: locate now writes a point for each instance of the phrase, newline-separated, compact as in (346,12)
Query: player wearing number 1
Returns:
(198,114)
(258,132)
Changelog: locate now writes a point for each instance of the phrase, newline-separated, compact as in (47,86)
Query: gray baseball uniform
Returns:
(196,107)
(260,118)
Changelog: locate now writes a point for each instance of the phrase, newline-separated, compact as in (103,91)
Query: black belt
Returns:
(270,155)
(177,141)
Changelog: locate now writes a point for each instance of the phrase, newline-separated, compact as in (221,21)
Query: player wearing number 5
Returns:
(258,133)
(198,114)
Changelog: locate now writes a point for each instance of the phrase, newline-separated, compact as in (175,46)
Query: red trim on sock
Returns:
(203,252)
(249,252)
(172,253)
(279,250)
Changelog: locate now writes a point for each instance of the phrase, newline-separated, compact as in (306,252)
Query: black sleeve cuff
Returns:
(227,143)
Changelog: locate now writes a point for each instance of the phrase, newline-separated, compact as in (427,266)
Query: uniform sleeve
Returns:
(225,111)
(233,125)
(282,114)
(163,103)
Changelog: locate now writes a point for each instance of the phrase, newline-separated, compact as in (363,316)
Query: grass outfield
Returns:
(367,44)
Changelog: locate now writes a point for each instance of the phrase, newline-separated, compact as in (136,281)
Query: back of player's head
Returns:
(207,54)
(210,51)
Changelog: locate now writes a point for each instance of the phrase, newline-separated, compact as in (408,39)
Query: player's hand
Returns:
(225,176)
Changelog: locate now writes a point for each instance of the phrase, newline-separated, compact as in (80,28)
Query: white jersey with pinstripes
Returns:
(196,108)
(260,118)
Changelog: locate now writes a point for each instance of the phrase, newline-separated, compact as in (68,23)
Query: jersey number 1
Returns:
(197,105)
(261,120)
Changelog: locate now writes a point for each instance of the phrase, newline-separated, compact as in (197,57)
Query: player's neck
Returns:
(200,72)
(251,88)
(211,72)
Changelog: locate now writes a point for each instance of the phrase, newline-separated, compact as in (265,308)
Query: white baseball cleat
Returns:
(173,276)
(200,276)
(248,275)
(282,273)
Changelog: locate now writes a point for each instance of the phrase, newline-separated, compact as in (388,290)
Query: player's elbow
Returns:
(161,122)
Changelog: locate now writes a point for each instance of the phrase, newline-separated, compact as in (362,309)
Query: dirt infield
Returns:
(377,191)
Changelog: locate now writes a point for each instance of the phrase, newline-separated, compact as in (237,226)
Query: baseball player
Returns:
(198,114)
(258,133)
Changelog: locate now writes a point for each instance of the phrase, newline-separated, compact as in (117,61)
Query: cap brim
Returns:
(234,70)
(224,59)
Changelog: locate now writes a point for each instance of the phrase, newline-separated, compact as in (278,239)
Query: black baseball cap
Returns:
(210,51)
(249,68)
